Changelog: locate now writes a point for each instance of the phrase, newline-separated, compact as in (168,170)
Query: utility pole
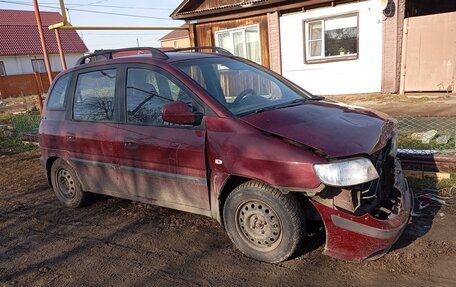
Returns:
(43,47)
(137,42)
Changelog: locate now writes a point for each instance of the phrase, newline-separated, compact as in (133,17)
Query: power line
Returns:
(141,8)
(119,14)
(72,5)
(95,12)
(90,4)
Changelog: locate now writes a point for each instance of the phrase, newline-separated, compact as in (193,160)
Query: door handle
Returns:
(130,145)
(71,138)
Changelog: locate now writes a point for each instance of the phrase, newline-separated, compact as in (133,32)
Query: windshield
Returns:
(241,88)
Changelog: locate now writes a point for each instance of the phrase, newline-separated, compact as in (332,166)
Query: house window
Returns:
(332,38)
(176,44)
(2,69)
(243,42)
(38,66)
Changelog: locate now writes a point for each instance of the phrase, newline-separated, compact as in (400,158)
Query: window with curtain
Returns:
(243,42)
(335,37)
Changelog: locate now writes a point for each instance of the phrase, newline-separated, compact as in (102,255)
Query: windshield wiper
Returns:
(294,102)
(280,106)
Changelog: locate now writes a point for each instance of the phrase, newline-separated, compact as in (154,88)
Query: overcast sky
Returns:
(145,12)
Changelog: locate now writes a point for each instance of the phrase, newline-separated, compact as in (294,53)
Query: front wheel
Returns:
(264,223)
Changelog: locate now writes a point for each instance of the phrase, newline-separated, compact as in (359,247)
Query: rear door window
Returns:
(94,98)
(57,96)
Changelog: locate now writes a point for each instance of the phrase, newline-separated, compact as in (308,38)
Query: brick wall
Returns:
(392,48)
(274,42)
(29,84)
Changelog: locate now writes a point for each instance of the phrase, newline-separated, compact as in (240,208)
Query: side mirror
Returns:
(179,113)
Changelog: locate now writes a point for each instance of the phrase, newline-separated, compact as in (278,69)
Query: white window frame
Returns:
(37,61)
(308,57)
(240,29)
(2,69)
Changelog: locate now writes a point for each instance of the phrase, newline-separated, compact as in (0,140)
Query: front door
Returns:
(160,161)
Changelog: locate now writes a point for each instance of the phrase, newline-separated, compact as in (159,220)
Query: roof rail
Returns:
(197,48)
(107,54)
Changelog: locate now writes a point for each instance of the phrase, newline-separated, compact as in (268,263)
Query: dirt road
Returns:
(114,242)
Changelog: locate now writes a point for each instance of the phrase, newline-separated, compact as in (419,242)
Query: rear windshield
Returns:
(240,87)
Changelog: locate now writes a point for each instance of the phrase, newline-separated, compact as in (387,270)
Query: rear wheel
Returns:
(264,223)
(66,185)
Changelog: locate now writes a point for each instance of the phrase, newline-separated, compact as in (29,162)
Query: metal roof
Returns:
(19,34)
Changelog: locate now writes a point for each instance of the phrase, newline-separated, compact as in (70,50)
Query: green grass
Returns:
(28,122)
(405,142)
(446,186)
(13,144)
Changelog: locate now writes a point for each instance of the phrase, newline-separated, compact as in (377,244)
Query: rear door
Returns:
(161,161)
(91,126)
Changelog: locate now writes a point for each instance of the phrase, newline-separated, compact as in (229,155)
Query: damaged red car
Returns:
(218,135)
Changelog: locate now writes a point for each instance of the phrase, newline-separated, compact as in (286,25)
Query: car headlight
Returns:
(393,148)
(346,172)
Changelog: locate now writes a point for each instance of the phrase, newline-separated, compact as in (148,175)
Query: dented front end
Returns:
(343,159)
(364,221)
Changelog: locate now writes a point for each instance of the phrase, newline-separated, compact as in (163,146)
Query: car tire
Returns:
(66,185)
(263,223)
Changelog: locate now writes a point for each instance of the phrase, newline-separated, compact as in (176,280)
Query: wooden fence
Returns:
(20,85)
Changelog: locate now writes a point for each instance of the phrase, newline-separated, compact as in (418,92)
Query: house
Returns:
(335,47)
(22,68)
(176,39)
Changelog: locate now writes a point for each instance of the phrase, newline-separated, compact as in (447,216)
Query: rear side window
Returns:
(94,97)
(57,95)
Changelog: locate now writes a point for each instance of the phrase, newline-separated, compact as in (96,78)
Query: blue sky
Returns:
(111,39)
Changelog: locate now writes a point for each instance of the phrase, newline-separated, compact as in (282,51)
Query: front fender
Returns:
(236,148)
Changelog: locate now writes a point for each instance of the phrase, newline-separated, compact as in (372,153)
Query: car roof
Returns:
(147,59)
(183,56)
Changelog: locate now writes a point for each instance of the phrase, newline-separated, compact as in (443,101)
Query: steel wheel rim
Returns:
(65,184)
(259,225)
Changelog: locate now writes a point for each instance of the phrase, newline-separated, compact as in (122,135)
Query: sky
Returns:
(144,13)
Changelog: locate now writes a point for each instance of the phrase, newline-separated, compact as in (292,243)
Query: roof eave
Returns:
(40,53)
(270,5)
(177,15)
(176,11)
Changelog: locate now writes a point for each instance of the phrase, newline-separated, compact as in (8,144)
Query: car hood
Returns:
(335,129)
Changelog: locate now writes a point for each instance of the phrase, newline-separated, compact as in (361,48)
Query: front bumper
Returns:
(357,238)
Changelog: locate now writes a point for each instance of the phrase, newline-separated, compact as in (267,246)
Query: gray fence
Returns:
(437,134)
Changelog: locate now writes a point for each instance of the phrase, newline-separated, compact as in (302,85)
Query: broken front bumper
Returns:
(357,238)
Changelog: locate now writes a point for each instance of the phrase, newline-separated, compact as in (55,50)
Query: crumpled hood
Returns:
(336,129)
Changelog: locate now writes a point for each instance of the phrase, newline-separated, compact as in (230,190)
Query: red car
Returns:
(217,135)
